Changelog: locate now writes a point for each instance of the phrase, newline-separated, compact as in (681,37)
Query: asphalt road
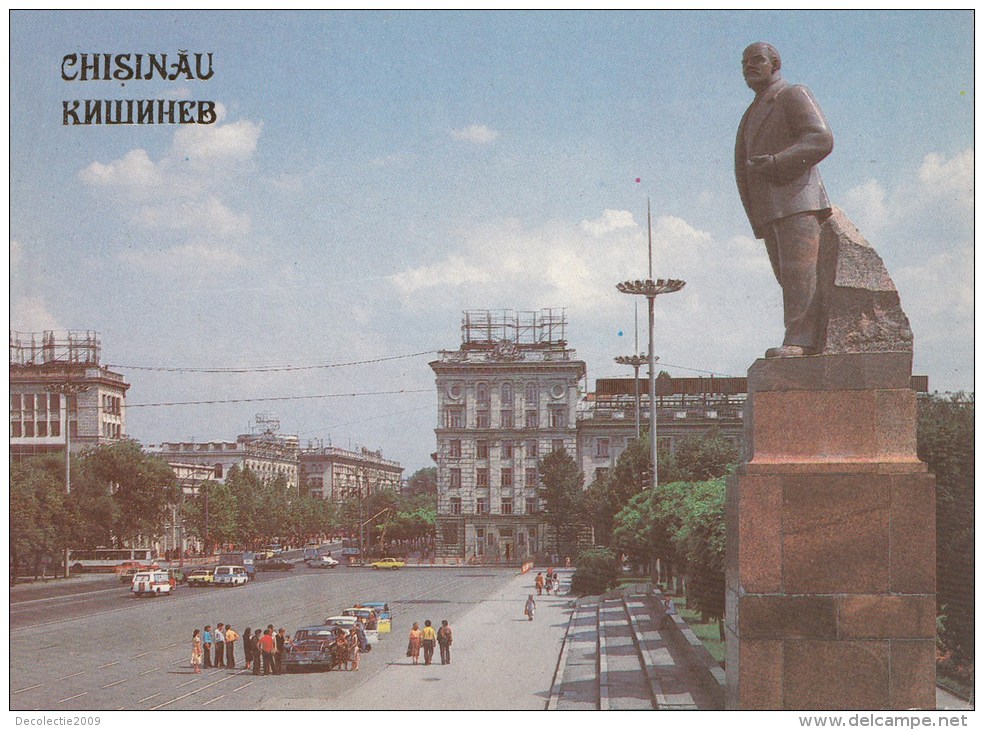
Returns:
(99,648)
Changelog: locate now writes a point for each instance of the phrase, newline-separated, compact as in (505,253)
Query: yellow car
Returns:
(392,563)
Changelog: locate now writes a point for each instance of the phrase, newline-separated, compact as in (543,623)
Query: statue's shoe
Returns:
(790,351)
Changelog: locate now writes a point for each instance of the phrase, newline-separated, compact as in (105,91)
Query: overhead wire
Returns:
(270,368)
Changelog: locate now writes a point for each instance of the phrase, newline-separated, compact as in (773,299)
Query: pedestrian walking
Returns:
(207,646)
(428,637)
(342,649)
(538,582)
(256,652)
(413,648)
(355,650)
(248,647)
(218,638)
(530,608)
(556,584)
(444,642)
(267,645)
(196,651)
(231,637)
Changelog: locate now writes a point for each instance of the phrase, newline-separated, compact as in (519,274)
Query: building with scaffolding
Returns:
(59,390)
(684,407)
(328,472)
(264,451)
(505,398)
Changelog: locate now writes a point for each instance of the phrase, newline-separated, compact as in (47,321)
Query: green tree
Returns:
(211,514)
(946,444)
(596,570)
(142,487)
(700,539)
(699,457)
(561,483)
(37,518)
(422,481)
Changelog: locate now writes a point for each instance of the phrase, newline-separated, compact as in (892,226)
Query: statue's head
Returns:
(760,64)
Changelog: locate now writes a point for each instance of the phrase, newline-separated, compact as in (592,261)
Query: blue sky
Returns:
(374,174)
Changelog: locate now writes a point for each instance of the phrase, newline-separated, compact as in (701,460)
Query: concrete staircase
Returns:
(617,656)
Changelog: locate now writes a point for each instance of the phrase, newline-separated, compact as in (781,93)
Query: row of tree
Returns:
(121,495)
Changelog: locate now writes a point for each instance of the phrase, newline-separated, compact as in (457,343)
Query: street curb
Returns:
(558,679)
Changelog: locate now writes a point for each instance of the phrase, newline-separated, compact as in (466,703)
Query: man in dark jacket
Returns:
(782,137)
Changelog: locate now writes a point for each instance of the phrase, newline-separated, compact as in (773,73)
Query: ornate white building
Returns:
(506,397)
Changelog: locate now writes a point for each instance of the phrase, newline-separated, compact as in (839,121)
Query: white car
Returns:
(347,622)
(230,575)
(152,583)
(322,561)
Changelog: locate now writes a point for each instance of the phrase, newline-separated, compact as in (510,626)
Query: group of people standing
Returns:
(426,638)
(548,583)
(216,648)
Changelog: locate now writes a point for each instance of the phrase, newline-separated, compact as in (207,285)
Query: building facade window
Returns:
(455,479)
(455,506)
(482,449)
(531,505)
(531,478)
(507,506)
(558,418)
(482,506)
(507,396)
(557,445)
(482,394)
(507,449)
(507,477)
(601,448)
(482,420)
(532,393)
(455,448)
(506,419)
(532,419)
(481,477)
(454,417)
(531,448)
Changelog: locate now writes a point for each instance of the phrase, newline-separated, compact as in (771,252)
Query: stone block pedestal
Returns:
(831,563)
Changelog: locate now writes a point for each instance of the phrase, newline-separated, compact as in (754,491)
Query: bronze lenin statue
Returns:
(782,136)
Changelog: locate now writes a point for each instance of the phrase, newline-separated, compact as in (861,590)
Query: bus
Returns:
(107,560)
(350,547)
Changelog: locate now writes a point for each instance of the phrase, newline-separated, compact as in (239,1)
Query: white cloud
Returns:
(949,179)
(610,220)
(868,205)
(191,188)
(30,314)
(475,133)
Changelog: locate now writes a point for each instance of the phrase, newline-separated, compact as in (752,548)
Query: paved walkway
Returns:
(499,661)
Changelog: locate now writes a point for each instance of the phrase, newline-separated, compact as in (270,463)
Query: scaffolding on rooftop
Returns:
(40,348)
(486,327)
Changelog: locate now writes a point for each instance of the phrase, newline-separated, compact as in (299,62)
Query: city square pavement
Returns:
(499,661)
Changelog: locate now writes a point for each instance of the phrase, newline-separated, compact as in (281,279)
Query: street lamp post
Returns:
(635,361)
(651,288)
(66,389)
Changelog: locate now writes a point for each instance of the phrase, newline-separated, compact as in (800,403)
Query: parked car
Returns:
(275,564)
(152,583)
(126,575)
(200,577)
(322,561)
(370,622)
(347,622)
(312,647)
(390,563)
(384,616)
(230,575)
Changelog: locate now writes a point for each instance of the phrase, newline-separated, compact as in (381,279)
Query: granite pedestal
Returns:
(831,562)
